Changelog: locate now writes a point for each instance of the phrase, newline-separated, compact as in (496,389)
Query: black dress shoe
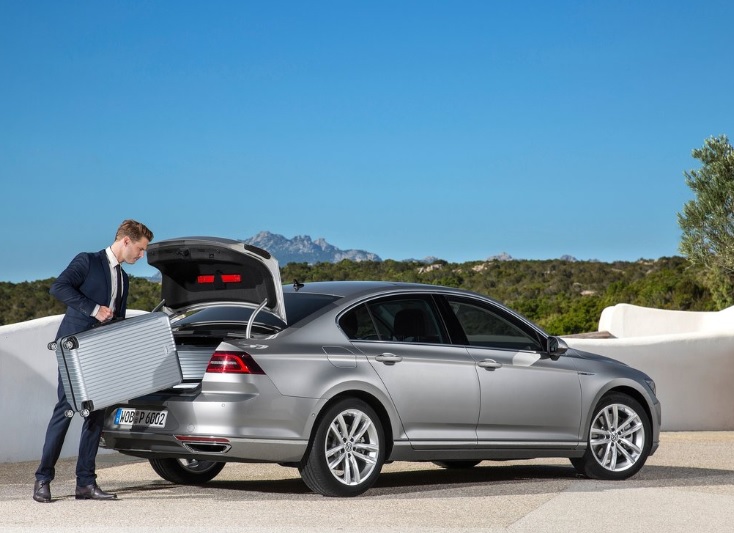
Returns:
(42,491)
(93,492)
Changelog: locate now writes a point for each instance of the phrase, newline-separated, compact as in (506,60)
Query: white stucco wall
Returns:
(625,320)
(28,390)
(28,381)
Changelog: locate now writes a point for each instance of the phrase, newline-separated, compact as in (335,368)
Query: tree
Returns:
(708,220)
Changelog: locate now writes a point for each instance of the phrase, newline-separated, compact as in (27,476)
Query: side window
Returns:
(357,324)
(487,328)
(406,320)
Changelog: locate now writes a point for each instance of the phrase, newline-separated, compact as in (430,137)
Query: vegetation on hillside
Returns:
(563,297)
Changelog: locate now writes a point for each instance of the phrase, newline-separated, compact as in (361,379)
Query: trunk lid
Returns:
(197,271)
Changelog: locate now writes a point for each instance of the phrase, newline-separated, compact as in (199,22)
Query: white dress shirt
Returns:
(113,276)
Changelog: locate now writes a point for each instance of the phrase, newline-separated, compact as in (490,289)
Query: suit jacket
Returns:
(84,284)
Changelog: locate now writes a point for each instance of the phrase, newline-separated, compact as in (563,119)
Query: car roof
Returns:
(348,289)
(351,290)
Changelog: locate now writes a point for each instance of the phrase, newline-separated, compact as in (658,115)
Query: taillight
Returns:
(233,363)
(206,279)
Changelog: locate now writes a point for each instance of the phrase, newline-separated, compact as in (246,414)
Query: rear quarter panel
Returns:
(320,369)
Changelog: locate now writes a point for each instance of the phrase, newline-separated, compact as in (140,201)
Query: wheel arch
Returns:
(370,400)
(636,395)
(622,388)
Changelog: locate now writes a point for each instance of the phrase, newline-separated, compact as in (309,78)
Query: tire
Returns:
(346,452)
(619,439)
(457,465)
(186,471)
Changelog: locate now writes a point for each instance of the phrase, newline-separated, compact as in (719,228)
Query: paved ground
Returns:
(687,486)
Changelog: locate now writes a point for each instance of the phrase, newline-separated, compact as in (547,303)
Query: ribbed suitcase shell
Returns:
(118,361)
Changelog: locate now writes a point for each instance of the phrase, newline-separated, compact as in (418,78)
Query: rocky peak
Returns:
(302,249)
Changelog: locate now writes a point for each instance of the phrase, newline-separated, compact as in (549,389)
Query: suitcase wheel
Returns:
(84,413)
(71,343)
(52,346)
(69,413)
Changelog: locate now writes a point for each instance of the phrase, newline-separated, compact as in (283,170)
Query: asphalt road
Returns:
(687,486)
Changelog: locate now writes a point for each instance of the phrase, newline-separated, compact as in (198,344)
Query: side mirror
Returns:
(556,347)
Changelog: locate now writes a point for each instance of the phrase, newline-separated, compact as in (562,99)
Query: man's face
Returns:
(133,250)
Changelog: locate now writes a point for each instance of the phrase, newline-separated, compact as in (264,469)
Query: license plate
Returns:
(142,418)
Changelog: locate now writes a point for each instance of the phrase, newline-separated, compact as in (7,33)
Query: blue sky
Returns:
(409,129)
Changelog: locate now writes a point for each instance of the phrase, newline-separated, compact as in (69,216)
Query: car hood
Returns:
(211,270)
(594,357)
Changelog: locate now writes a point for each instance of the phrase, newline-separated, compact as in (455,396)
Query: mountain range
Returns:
(302,249)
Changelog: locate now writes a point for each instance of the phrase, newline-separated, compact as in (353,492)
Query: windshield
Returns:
(297,305)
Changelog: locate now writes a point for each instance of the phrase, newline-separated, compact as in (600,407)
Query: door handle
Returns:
(388,358)
(489,364)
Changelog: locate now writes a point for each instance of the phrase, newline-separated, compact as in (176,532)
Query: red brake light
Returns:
(233,363)
(206,279)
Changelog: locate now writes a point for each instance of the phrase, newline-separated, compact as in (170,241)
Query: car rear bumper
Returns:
(234,423)
(224,449)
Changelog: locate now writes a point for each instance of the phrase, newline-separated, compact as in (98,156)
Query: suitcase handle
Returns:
(110,321)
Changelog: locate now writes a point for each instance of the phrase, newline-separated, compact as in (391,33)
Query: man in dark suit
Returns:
(94,289)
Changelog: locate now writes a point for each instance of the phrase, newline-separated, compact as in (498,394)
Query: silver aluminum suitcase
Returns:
(117,362)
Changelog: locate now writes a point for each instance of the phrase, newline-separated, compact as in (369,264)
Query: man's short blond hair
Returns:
(133,229)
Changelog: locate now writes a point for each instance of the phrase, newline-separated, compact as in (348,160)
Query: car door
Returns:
(526,396)
(432,384)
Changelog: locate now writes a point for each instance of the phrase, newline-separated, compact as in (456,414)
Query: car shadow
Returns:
(490,479)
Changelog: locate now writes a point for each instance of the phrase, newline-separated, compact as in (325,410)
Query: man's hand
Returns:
(104,314)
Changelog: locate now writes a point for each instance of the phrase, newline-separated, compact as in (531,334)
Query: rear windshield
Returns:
(297,307)
(300,305)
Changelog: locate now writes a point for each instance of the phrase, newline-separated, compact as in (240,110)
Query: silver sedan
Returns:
(335,378)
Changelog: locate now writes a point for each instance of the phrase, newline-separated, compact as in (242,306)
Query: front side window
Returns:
(487,328)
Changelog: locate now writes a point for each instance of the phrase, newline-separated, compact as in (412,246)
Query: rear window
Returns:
(297,307)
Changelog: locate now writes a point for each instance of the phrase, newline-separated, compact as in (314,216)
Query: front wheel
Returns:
(186,471)
(619,440)
(346,452)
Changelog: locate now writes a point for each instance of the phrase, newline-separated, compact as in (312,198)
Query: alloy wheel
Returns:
(617,437)
(352,447)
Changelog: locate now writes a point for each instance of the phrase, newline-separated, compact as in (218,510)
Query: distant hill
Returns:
(504,256)
(302,249)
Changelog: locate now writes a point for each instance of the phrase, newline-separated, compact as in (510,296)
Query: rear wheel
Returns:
(186,471)
(346,452)
(457,465)
(619,440)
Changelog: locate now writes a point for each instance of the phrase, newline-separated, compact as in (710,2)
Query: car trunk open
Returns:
(206,270)
(201,271)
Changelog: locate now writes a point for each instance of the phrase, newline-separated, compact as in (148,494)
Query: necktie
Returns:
(118,296)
